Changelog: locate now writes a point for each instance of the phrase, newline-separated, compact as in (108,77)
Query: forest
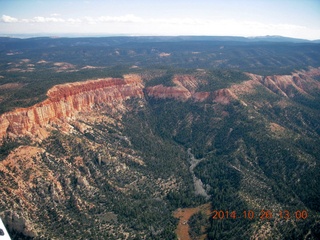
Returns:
(124,175)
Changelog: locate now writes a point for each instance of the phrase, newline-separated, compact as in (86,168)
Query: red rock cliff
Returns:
(185,88)
(67,100)
(300,82)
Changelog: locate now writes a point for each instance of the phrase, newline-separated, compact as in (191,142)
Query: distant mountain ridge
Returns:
(267,38)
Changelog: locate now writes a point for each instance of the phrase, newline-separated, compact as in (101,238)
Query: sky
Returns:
(249,18)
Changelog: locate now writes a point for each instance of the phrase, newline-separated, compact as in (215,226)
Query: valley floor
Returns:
(184,214)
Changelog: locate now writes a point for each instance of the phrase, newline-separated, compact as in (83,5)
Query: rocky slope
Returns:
(66,100)
(291,85)
(285,85)
(114,166)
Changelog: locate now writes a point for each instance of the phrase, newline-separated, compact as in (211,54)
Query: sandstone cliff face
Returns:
(66,100)
(186,88)
(41,185)
(300,82)
(224,96)
(201,96)
(162,92)
(187,81)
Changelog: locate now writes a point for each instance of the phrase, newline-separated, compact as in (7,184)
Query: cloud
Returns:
(8,19)
(74,20)
(165,26)
(129,18)
(47,19)
(40,19)
(90,20)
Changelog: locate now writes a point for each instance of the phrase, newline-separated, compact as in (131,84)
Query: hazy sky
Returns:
(292,18)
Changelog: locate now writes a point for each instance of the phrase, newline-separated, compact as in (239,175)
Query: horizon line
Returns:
(83,35)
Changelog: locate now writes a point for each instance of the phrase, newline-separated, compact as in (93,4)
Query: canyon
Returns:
(122,137)
(65,101)
(102,148)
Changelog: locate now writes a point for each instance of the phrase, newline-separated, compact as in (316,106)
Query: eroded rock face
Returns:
(66,100)
(300,82)
(224,96)
(186,88)
(187,81)
(162,92)
(201,96)
(41,183)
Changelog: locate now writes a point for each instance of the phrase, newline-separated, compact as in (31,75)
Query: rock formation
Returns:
(65,179)
(66,100)
(290,85)
(162,92)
